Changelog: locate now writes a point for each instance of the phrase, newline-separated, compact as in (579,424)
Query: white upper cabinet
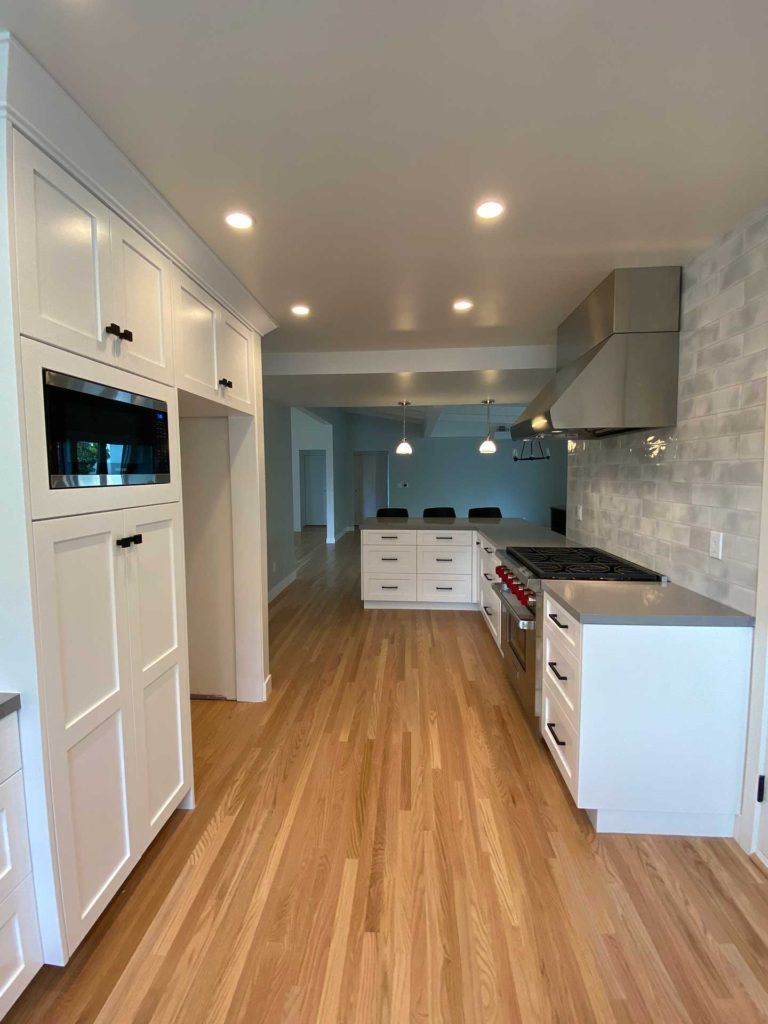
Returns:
(62,238)
(141,306)
(235,363)
(87,281)
(196,323)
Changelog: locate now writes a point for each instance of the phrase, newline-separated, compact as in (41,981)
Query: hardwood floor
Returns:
(385,840)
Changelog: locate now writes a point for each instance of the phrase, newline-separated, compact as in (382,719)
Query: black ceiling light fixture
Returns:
(532,451)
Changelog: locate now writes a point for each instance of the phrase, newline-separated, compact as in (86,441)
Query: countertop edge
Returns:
(736,620)
(9,702)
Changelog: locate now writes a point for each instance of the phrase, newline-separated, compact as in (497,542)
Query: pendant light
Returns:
(488,446)
(404,448)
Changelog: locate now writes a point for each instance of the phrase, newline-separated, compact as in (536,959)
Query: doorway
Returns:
(371,484)
(313,488)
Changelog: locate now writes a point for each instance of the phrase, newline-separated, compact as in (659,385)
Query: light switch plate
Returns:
(715,544)
(579,512)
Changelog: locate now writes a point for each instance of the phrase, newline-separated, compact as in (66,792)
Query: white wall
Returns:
(309,433)
(208,545)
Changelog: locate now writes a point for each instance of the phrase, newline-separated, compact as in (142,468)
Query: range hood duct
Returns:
(617,361)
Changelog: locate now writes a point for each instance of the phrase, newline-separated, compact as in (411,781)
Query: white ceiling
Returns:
(360,135)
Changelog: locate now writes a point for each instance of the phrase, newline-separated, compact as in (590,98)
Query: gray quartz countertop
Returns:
(500,532)
(9,702)
(641,604)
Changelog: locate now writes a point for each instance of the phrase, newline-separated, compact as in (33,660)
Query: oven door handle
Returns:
(519,621)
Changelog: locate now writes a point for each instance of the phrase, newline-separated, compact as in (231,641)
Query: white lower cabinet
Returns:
(114,682)
(20,950)
(426,567)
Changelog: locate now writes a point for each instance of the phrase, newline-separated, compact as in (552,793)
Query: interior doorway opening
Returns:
(371,484)
(314,487)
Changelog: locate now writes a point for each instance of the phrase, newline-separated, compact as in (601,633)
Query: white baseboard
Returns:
(340,534)
(280,587)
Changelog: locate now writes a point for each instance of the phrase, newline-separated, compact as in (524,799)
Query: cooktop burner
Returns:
(581,564)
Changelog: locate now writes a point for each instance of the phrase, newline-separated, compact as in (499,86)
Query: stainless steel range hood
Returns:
(617,361)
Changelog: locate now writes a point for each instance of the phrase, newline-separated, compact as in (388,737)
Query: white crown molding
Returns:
(423,360)
(36,105)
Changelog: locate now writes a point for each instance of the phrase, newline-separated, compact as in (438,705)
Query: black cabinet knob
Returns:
(137,539)
(123,542)
(113,329)
(224,383)
(126,335)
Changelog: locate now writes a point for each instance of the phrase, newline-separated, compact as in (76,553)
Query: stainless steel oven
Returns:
(518,641)
(100,436)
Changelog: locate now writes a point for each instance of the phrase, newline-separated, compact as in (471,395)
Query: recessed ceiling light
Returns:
(239,220)
(490,209)
(300,309)
(462,305)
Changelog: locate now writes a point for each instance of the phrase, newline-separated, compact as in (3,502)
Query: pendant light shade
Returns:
(488,446)
(404,448)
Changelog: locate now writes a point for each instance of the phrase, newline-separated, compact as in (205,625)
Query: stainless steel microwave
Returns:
(99,436)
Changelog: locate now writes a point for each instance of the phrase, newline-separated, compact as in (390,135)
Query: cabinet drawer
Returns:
(445,560)
(561,623)
(454,538)
(20,952)
(10,750)
(445,588)
(490,608)
(14,844)
(390,538)
(562,672)
(561,736)
(389,588)
(383,559)
(488,565)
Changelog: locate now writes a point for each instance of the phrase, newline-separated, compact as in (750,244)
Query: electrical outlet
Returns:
(580,512)
(715,544)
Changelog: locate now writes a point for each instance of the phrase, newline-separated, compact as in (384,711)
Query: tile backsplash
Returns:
(656,497)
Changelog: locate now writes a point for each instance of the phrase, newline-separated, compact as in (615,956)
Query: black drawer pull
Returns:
(393,559)
(557,621)
(555,737)
(113,329)
(389,536)
(443,588)
(389,588)
(443,559)
(553,666)
(126,335)
(438,537)
(487,576)
(488,611)
(488,551)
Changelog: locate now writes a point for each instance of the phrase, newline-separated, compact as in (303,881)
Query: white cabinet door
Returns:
(196,324)
(62,244)
(86,690)
(141,279)
(235,363)
(155,577)
(21,955)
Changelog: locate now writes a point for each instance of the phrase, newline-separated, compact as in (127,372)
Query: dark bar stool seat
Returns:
(440,512)
(488,512)
(392,513)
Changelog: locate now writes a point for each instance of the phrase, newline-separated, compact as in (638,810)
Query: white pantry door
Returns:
(160,673)
(141,278)
(86,690)
(62,241)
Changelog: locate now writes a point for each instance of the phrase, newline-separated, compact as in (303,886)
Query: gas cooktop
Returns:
(581,564)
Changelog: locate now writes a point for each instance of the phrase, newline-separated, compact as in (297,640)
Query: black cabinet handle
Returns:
(557,621)
(555,737)
(126,335)
(223,382)
(394,559)
(389,588)
(443,588)
(487,576)
(123,542)
(488,611)
(230,384)
(137,539)
(389,536)
(488,550)
(113,329)
(553,666)
(438,537)
(443,559)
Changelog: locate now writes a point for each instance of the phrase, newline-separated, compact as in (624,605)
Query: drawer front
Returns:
(562,738)
(561,623)
(562,672)
(21,956)
(10,749)
(447,560)
(490,609)
(445,588)
(393,559)
(390,538)
(14,843)
(488,565)
(447,537)
(377,587)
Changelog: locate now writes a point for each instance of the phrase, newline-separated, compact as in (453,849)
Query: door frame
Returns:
(379,452)
(303,477)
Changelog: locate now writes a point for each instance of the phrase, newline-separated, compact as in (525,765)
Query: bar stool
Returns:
(440,512)
(392,513)
(486,512)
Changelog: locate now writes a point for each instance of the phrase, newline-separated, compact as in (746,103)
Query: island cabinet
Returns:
(647,723)
(417,568)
